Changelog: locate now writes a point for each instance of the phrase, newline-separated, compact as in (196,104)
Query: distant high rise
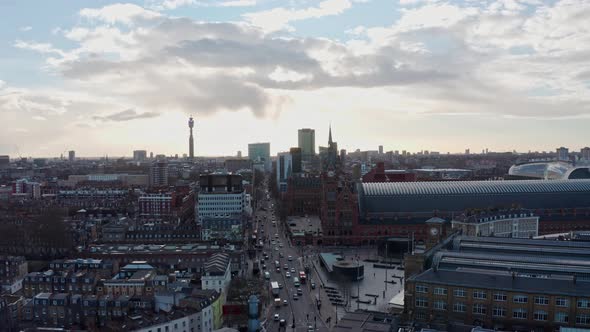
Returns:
(467,151)
(284,170)
(306,142)
(191,144)
(151,155)
(380,149)
(159,173)
(4,162)
(563,154)
(72,155)
(239,154)
(296,157)
(139,155)
(260,152)
(585,154)
(342,155)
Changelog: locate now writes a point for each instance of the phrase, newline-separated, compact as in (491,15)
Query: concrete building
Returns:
(159,173)
(217,274)
(514,224)
(235,164)
(221,206)
(104,180)
(139,155)
(72,155)
(562,154)
(260,152)
(13,270)
(306,142)
(499,283)
(585,154)
(4,162)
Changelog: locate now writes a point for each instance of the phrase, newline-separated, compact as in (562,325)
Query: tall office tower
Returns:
(563,154)
(380,149)
(260,153)
(342,155)
(72,155)
(239,154)
(306,142)
(159,173)
(296,157)
(284,170)
(151,155)
(191,144)
(4,161)
(466,151)
(139,155)
(585,154)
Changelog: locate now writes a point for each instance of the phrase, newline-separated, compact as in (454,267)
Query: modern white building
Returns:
(221,206)
(519,224)
(217,275)
(177,321)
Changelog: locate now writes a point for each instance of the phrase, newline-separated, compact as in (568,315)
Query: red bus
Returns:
(302,277)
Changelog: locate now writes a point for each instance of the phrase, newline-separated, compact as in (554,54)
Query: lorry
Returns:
(278,302)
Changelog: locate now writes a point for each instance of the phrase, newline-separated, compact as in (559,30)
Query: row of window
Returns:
(518,313)
(502,297)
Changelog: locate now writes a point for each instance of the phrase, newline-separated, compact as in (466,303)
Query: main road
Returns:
(300,310)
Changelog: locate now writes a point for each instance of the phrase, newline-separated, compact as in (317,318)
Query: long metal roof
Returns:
(474,187)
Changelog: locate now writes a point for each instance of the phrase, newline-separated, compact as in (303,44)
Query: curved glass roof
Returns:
(474,187)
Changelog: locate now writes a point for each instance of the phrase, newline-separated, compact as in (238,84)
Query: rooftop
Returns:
(505,281)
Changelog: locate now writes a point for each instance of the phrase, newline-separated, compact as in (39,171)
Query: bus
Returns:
(302,277)
(296,282)
(267,275)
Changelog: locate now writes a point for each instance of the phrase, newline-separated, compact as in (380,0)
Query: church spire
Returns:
(330,137)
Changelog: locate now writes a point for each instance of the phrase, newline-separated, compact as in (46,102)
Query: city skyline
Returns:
(107,78)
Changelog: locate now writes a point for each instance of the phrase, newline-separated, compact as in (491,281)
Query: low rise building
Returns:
(516,224)
(499,283)
(12,272)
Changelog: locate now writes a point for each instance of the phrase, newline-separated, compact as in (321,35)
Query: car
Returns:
(264,266)
(280,245)
(290,258)
(277,317)
(282,322)
(292,270)
(310,328)
(278,270)
(276,248)
(286,267)
(288,275)
(281,254)
(276,236)
(295,297)
(272,242)
(299,291)
(280,286)
(285,302)
(313,285)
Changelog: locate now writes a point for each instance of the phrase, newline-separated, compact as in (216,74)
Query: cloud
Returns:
(26,28)
(126,14)
(452,59)
(126,115)
(279,18)
(238,3)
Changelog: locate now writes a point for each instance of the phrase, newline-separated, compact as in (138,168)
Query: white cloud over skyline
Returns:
(506,61)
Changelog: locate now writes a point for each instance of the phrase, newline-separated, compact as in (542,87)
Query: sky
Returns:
(106,77)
